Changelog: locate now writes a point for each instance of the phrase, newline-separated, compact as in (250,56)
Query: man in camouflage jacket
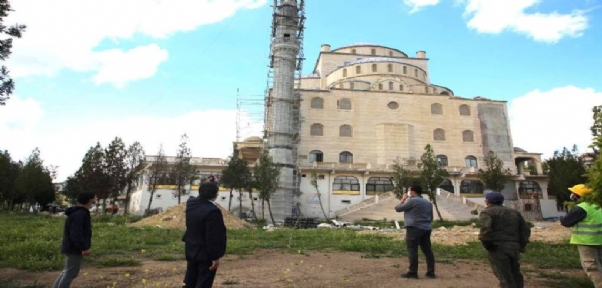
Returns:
(504,234)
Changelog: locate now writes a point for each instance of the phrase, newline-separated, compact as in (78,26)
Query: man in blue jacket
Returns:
(205,237)
(77,238)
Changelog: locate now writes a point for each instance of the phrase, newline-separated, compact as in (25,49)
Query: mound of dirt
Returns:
(462,235)
(175,217)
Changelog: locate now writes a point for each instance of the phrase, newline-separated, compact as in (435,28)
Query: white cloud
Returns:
(121,67)
(545,121)
(67,145)
(416,5)
(495,16)
(64,33)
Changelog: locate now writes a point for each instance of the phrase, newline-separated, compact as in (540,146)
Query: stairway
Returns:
(450,210)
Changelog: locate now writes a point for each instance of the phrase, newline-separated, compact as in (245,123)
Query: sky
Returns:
(151,70)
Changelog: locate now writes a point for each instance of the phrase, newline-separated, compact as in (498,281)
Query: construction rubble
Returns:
(547,232)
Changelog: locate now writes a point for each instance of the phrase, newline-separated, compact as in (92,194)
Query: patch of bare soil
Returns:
(175,217)
(461,235)
(277,268)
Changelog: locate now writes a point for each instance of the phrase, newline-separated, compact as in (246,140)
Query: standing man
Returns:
(417,218)
(205,237)
(586,220)
(77,238)
(504,234)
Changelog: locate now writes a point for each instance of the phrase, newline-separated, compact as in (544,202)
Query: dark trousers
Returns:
(417,237)
(198,275)
(505,263)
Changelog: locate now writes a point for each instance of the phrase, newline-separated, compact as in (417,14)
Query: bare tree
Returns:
(135,164)
(158,170)
(182,171)
(314,183)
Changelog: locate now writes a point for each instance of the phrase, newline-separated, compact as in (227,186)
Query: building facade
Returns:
(366,106)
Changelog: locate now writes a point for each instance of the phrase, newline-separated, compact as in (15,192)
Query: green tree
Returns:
(431,175)
(236,176)
(597,128)
(402,178)
(135,164)
(594,173)
(183,172)
(494,176)
(266,176)
(9,171)
(35,181)
(115,167)
(93,176)
(158,171)
(6,44)
(314,183)
(565,169)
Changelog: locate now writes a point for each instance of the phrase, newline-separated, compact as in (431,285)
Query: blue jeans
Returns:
(72,265)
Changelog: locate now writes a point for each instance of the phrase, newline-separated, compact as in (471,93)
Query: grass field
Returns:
(31,242)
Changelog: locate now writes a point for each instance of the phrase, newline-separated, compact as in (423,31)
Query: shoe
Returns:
(410,275)
(430,275)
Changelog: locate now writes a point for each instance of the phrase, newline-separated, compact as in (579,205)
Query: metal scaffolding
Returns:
(249,116)
(282,102)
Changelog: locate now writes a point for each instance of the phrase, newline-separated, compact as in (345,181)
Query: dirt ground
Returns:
(277,268)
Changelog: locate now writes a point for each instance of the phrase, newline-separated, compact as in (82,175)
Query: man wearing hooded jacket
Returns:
(77,238)
(586,220)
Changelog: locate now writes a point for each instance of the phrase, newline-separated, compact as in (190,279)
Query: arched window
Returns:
(471,161)
(390,68)
(346,183)
(405,69)
(390,53)
(426,90)
(345,72)
(444,93)
(345,131)
(447,186)
(358,69)
(317,103)
(468,136)
(472,187)
(415,72)
(442,160)
(378,185)
(436,109)
(373,51)
(316,129)
(374,68)
(439,135)
(346,157)
(464,110)
(344,104)
(380,86)
(353,51)
(390,85)
(316,156)
(400,87)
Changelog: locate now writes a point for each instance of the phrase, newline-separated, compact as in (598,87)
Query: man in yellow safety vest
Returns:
(586,220)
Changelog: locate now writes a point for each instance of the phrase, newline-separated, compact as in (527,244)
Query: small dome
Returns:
(253,139)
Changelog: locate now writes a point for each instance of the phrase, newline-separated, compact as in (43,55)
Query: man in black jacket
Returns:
(205,237)
(77,238)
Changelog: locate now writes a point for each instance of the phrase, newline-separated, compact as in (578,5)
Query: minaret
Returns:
(283,117)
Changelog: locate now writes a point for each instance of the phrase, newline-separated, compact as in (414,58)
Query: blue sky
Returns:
(153,72)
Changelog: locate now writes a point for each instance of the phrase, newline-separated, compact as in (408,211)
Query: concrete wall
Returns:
(495,132)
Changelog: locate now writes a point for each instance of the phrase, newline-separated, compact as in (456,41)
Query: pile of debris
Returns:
(462,235)
(175,217)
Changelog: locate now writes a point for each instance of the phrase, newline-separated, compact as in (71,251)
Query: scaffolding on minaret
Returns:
(283,101)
